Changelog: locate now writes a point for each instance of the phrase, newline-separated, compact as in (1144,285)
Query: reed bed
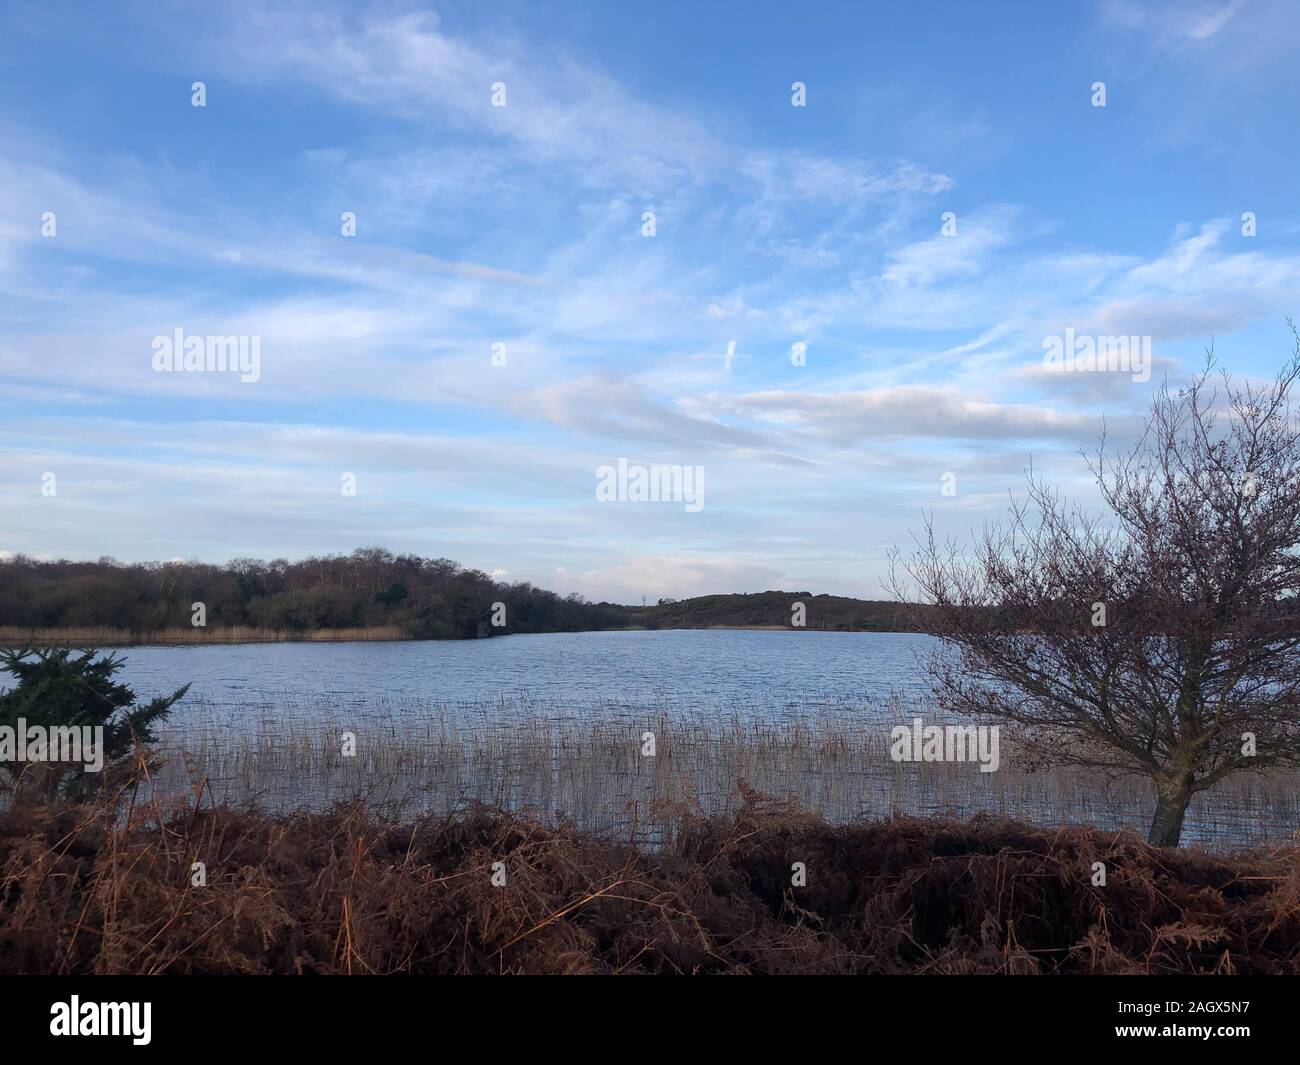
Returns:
(586,768)
(91,636)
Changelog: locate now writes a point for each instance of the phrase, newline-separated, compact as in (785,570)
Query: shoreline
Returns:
(12,638)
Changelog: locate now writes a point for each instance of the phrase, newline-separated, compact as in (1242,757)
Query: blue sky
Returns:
(522,225)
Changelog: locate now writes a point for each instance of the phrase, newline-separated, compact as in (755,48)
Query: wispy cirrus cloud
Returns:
(517,232)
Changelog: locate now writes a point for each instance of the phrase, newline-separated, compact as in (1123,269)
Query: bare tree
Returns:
(1160,638)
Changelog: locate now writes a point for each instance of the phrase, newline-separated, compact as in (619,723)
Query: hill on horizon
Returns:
(776,609)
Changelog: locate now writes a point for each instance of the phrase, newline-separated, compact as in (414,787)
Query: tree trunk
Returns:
(1171,808)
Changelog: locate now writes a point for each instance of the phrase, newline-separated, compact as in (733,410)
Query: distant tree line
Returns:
(774,610)
(426,598)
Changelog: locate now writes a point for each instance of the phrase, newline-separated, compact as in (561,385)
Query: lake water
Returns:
(702,670)
(555,723)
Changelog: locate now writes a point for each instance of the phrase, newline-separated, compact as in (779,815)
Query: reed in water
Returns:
(593,767)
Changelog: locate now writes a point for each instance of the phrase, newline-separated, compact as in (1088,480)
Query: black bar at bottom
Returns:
(301,1014)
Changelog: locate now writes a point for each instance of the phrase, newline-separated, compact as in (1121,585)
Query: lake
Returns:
(719,669)
(557,724)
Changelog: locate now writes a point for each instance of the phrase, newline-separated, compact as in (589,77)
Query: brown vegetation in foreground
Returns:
(343,893)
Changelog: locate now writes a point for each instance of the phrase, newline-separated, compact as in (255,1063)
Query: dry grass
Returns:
(86,890)
(13,636)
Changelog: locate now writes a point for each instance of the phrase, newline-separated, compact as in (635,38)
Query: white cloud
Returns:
(1172,23)
(667,576)
(910,411)
(941,257)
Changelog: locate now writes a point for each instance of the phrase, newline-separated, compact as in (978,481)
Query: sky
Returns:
(593,232)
